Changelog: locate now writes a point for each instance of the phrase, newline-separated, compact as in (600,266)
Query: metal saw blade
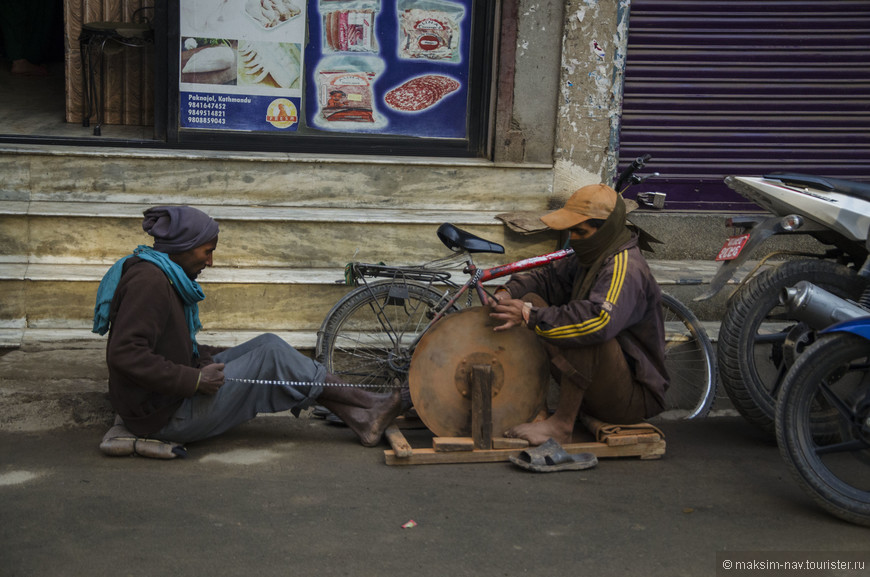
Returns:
(440,372)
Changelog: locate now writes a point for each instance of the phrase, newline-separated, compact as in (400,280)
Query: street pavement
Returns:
(285,496)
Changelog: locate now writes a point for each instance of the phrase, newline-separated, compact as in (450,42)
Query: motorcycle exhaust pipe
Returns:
(817,307)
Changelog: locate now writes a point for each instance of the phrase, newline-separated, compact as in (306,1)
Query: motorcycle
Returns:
(822,412)
(759,340)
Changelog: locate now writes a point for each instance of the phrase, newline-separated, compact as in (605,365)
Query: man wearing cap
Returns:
(164,385)
(598,314)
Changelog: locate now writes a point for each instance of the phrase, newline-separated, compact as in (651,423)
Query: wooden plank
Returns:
(613,440)
(511,143)
(481,406)
(401,447)
(645,451)
(505,443)
(452,444)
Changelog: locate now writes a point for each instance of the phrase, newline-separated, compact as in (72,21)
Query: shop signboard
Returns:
(329,67)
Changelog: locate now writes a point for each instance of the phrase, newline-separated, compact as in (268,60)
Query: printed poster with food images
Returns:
(389,67)
(241,64)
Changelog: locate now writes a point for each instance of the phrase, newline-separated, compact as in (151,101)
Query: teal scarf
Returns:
(189,290)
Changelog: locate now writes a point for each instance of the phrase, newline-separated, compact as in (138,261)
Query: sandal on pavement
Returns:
(551,457)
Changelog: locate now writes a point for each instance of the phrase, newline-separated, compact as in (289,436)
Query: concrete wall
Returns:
(570,60)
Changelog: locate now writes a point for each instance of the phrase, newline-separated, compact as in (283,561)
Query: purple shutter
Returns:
(747,87)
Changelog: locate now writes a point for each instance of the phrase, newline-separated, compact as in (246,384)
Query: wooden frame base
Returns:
(453,450)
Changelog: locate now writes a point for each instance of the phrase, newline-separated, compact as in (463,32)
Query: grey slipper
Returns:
(551,457)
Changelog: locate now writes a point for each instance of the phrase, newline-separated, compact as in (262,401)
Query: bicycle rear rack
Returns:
(357,270)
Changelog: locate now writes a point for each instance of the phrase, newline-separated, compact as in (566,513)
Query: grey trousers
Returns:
(266,357)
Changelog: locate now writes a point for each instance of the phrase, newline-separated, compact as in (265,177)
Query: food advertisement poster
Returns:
(392,67)
(241,64)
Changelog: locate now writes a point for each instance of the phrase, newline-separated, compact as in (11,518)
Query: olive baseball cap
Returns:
(592,201)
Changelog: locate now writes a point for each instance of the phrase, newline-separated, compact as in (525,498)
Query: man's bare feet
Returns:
(538,432)
(370,414)
(383,414)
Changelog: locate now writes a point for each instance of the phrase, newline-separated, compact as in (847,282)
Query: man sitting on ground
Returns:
(164,385)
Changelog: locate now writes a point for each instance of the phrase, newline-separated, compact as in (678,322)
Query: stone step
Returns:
(32,339)
(666,272)
(125,176)
(46,338)
(40,300)
(74,232)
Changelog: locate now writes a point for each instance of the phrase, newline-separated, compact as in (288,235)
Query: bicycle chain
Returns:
(474,282)
(309,384)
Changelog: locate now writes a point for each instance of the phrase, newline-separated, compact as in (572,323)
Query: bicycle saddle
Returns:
(457,239)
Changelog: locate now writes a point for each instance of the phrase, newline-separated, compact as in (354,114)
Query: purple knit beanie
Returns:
(179,228)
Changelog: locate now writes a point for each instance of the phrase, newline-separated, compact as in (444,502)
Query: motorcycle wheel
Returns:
(758,342)
(832,374)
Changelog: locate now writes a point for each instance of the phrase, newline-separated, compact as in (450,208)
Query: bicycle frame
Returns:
(480,276)
(477,277)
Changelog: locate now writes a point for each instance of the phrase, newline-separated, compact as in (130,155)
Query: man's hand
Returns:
(510,311)
(502,294)
(211,378)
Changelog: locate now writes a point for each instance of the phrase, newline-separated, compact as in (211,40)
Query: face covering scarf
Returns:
(593,251)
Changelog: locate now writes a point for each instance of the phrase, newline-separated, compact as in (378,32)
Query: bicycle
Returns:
(370,334)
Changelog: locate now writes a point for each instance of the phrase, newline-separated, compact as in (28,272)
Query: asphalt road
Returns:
(281,496)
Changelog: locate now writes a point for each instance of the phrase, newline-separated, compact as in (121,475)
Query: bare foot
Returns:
(538,432)
(369,422)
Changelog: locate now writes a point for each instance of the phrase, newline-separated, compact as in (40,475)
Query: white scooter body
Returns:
(845,214)
(809,197)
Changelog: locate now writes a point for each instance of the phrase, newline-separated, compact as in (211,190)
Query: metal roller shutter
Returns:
(745,87)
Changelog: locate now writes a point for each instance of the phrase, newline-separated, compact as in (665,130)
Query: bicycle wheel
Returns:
(367,337)
(758,342)
(831,376)
(690,361)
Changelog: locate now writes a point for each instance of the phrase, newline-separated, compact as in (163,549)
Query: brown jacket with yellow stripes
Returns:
(623,304)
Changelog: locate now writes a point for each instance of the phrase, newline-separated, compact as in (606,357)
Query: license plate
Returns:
(732,247)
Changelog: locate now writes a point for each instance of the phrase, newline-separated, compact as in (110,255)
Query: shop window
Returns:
(402,77)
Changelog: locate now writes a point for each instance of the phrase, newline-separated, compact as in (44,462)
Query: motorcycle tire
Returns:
(834,471)
(757,340)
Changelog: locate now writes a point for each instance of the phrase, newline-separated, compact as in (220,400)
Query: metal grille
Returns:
(745,87)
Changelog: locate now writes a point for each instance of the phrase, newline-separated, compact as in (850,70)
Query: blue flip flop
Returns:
(551,457)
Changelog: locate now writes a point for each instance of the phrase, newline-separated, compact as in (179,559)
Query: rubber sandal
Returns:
(551,457)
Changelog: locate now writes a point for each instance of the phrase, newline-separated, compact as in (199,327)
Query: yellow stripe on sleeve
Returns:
(590,326)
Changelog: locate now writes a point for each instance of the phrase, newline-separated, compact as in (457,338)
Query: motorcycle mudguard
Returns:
(757,235)
(859,327)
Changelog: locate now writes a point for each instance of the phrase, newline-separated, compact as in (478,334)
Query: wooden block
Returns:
(481,406)
(452,444)
(621,440)
(649,438)
(398,442)
(614,440)
(505,443)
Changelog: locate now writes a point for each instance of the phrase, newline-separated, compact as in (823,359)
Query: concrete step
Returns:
(131,176)
(54,301)
(75,232)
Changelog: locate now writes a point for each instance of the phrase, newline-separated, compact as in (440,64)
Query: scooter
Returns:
(759,340)
(823,408)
